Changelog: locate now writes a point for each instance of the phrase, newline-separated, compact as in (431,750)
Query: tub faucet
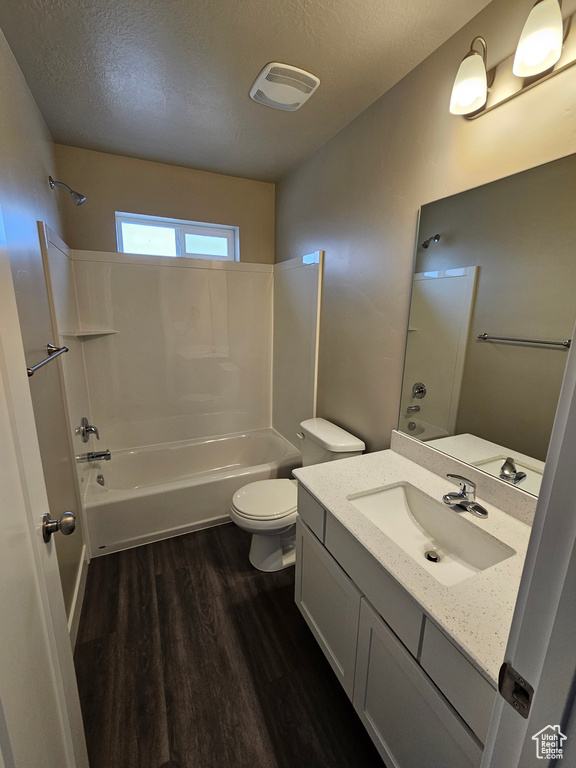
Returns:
(413,409)
(465,498)
(82,458)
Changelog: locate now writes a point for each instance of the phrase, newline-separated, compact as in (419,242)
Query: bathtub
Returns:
(159,491)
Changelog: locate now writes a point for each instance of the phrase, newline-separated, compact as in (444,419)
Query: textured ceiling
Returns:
(168,80)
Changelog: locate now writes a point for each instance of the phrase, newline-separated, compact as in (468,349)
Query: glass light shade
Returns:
(540,44)
(470,86)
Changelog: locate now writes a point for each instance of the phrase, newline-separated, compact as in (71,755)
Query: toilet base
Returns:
(273,552)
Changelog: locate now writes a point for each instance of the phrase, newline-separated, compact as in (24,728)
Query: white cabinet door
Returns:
(464,687)
(408,719)
(329,602)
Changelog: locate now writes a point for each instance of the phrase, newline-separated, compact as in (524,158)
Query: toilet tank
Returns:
(324,441)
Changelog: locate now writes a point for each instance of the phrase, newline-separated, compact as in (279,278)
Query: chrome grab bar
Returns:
(487,337)
(52,353)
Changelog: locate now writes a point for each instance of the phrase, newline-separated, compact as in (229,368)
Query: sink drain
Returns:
(432,555)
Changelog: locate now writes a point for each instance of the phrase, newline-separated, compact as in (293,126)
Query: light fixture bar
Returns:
(505,86)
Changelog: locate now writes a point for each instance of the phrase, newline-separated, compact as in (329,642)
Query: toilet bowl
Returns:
(268,508)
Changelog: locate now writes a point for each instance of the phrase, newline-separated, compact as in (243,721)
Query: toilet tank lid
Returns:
(331,437)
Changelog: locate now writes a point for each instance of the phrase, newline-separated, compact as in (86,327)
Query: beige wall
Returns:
(26,160)
(115,183)
(357,198)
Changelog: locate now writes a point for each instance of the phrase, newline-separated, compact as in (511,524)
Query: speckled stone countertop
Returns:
(475,613)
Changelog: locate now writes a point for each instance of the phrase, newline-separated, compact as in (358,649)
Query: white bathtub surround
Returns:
(297,305)
(440,315)
(166,490)
(169,353)
(192,354)
(513,499)
(475,613)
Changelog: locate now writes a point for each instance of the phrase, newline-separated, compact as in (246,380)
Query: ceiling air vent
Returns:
(282,86)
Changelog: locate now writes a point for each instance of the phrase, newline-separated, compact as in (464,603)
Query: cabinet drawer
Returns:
(330,604)
(464,687)
(311,512)
(395,606)
(408,719)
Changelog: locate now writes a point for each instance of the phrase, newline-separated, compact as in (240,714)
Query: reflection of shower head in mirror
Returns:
(433,239)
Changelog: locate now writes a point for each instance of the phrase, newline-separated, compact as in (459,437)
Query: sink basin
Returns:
(420,525)
(531,482)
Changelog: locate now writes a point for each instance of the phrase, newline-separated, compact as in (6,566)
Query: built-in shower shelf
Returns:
(88,334)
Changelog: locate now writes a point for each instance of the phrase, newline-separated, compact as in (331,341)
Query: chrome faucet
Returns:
(509,472)
(413,409)
(82,458)
(85,430)
(465,498)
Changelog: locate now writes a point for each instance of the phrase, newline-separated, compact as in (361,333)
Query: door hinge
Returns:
(515,689)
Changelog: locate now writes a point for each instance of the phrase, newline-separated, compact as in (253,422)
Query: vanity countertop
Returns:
(475,613)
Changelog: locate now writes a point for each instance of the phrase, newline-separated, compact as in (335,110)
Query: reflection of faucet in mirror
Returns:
(419,390)
(413,409)
(509,472)
(85,430)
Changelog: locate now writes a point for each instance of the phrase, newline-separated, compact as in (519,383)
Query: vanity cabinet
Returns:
(420,699)
(393,603)
(459,681)
(330,603)
(408,719)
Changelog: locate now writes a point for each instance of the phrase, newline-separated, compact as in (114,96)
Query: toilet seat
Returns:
(266,499)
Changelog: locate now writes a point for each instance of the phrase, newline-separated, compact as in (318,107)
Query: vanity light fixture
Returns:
(540,44)
(547,46)
(470,89)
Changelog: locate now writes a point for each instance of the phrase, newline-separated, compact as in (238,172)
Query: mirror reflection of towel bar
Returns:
(52,353)
(487,337)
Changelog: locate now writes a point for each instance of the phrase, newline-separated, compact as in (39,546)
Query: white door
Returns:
(40,718)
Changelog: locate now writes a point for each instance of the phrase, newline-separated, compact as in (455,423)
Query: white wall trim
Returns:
(78,598)
(299,261)
(112,257)
(320,263)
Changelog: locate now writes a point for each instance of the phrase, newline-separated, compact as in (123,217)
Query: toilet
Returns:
(268,508)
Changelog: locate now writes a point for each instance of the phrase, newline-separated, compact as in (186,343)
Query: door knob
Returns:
(66,525)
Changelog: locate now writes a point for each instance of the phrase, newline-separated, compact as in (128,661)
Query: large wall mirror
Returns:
(494,278)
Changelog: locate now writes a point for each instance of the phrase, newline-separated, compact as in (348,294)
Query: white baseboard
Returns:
(78,598)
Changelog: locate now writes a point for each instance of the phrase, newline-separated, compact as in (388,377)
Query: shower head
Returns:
(433,239)
(76,196)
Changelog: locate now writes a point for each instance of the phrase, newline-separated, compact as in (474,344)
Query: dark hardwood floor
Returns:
(187,657)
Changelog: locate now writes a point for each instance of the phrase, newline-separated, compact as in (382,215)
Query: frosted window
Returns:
(207,245)
(159,236)
(149,240)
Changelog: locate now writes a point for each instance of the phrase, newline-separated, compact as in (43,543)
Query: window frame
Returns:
(182,227)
